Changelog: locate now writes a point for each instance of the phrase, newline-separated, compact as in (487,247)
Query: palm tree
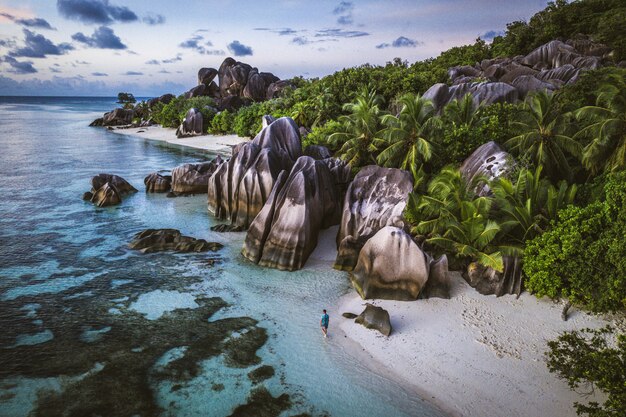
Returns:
(607,130)
(543,136)
(526,207)
(408,137)
(361,130)
(464,112)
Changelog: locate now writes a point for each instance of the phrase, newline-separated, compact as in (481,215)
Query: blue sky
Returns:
(100,47)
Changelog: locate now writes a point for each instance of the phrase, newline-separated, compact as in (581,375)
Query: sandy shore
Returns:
(472,355)
(218,144)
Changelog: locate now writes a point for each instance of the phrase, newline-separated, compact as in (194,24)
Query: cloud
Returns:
(102,38)
(163,71)
(55,70)
(95,11)
(344,7)
(303,40)
(401,42)
(238,49)
(280,32)
(38,46)
(25,67)
(153,62)
(8,43)
(132,73)
(344,10)
(340,33)
(197,43)
(154,19)
(489,35)
(36,22)
(172,60)
(99,74)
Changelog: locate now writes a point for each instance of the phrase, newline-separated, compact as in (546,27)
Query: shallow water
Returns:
(89,325)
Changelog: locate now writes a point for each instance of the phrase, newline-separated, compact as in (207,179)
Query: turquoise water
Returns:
(89,325)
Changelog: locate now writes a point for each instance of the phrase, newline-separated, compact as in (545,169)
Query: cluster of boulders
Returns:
(107,190)
(502,80)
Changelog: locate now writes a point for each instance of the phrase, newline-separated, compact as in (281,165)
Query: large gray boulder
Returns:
(375,318)
(118,117)
(165,99)
(564,73)
(482,92)
(255,87)
(551,55)
(194,178)
(240,187)
(121,185)
(157,183)
(275,89)
(526,84)
(488,161)
(206,75)
(197,91)
(375,199)
(285,231)
(390,266)
(192,124)
(233,76)
(438,95)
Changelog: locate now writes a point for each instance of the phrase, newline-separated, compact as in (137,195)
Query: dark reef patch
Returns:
(261,403)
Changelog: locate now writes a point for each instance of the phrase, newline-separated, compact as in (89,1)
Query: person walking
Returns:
(324,323)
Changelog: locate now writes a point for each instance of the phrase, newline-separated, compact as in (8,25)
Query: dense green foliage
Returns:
(592,357)
(173,113)
(602,19)
(582,256)
(126,99)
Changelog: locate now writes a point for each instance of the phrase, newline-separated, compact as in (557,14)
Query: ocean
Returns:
(90,327)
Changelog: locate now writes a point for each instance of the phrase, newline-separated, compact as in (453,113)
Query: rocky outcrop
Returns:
(157,183)
(509,79)
(276,88)
(375,199)
(194,178)
(232,103)
(122,186)
(117,117)
(376,318)
(438,284)
(255,88)
(285,231)
(106,195)
(240,187)
(488,281)
(165,99)
(206,76)
(392,266)
(157,240)
(489,161)
(108,189)
(192,125)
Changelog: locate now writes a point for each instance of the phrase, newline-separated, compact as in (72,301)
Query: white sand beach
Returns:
(219,144)
(472,355)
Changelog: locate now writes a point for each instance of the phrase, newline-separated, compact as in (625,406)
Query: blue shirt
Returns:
(325,320)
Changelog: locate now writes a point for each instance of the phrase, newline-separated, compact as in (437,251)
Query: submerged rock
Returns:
(156,240)
(194,178)
(106,195)
(260,374)
(390,266)
(285,231)
(240,187)
(122,186)
(157,183)
(376,318)
(375,199)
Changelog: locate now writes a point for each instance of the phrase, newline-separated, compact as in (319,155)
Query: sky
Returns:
(101,47)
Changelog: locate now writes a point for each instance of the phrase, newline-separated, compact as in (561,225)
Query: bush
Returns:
(222,123)
(582,257)
(319,135)
(588,357)
(173,113)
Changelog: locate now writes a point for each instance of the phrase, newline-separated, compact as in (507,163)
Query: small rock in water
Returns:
(261,374)
(376,318)
(154,240)
(349,315)
(223,228)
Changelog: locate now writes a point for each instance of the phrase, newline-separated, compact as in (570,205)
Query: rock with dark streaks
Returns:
(375,199)
(157,183)
(489,161)
(375,318)
(157,240)
(194,178)
(121,185)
